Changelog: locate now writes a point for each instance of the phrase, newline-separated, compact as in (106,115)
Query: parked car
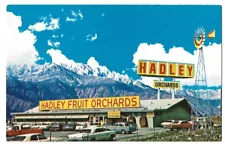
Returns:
(182,124)
(167,123)
(93,134)
(41,126)
(21,129)
(44,127)
(8,127)
(32,137)
(80,126)
(122,127)
(69,127)
(55,127)
(94,125)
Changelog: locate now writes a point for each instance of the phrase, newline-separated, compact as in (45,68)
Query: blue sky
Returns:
(120,30)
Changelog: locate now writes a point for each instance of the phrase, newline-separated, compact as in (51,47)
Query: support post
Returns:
(158,97)
(173,91)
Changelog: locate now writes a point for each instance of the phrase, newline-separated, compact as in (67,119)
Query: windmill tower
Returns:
(201,91)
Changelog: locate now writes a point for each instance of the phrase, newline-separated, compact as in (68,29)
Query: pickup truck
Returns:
(122,127)
(93,134)
(19,129)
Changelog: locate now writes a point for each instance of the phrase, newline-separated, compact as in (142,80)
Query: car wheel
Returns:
(123,131)
(111,138)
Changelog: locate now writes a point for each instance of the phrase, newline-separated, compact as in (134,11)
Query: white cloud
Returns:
(62,35)
(56,44)
(54,36)
(54,24)
(59,58)
(50,43)
(89,37)
(212,57)
(53,44)
(74,16)
(92,62)
(20,45)
(81,15)
(123,71)
(73,13)
(103,14)
(41,26)
(68,19)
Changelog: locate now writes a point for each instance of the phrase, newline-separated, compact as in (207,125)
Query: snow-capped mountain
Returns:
(213,94)
(37,73)
(26,85)
(100,71)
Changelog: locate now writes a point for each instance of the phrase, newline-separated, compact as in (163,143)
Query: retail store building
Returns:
(147,113)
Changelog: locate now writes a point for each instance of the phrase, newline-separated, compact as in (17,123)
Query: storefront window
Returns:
(97,119)
(91,120)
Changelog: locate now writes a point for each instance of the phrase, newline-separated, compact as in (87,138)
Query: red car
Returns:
(181,125)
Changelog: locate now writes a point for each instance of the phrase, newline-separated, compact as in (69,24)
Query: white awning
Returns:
(53,117)
(77,117)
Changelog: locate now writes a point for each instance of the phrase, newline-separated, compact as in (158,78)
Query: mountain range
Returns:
(27,84)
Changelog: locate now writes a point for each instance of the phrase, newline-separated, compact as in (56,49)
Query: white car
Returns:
(79,126)
(32,137)
(93,134)
(44,127)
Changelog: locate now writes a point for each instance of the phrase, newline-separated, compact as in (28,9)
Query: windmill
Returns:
(201,91)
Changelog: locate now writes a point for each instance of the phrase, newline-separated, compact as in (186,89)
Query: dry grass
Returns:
(183,135)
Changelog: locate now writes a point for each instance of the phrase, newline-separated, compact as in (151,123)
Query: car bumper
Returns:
(75,139)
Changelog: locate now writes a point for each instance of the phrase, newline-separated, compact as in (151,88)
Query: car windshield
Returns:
(41,136)
(130,124)
(169,121)
(85,131)
(55,125)
(19,138)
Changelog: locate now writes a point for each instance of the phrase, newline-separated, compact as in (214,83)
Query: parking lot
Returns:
(142,132)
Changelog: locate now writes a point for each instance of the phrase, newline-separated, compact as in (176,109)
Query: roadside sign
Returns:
(113,114)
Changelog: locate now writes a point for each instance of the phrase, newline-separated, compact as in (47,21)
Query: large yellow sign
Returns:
(166,84)
(113,114)
(165,69)
(109,102)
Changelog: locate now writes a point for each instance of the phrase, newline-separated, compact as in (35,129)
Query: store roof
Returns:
(160,104)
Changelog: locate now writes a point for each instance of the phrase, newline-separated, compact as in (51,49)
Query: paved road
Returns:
(142,132)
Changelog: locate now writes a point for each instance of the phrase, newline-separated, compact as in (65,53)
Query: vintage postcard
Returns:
(114,73)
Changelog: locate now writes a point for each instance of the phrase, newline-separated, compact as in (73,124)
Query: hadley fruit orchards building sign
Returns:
(109,102)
